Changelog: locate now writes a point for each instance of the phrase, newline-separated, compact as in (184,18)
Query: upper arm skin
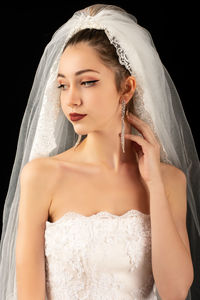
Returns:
(177,196)
(35,197)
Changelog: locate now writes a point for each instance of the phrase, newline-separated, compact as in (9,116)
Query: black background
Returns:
(27,30)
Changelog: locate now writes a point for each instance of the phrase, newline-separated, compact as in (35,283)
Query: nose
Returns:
(72,97)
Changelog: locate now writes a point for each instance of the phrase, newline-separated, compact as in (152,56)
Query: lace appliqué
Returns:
(98,257)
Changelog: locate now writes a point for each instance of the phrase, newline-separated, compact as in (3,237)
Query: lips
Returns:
(75,117)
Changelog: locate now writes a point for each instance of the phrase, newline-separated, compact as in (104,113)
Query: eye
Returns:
(92,81)
(61,86)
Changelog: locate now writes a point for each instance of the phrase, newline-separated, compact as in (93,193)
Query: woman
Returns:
(105,219)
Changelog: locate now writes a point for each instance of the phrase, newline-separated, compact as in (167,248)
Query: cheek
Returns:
(97,102)
(102,110)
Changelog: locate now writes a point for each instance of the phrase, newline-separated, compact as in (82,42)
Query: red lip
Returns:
(75,117)
(75,114)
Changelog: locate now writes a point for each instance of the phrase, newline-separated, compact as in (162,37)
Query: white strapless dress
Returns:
(100,257)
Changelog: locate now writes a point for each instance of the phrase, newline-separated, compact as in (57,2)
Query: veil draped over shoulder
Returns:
(45,131)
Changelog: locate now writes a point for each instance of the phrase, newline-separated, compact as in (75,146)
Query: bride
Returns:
(106,217)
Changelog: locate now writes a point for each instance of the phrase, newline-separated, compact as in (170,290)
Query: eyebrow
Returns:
(78,72)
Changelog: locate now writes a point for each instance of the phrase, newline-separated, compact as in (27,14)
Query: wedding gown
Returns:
(99,257)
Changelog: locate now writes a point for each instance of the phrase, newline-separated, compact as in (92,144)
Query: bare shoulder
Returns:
(38,179)
(43,166)
(173,177)
(170,171)
(43,171)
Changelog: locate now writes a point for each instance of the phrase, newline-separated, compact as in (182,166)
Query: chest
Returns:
(90,192)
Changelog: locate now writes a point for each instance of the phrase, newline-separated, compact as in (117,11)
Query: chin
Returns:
(81,132)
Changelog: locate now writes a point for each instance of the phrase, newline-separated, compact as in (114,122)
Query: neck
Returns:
(104,149)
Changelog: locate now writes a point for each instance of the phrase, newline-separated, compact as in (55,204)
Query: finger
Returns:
(138,139)
(143,128)
(138,149)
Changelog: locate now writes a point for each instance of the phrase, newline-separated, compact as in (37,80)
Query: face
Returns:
(91,93)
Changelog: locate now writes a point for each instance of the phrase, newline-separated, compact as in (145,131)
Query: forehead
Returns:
(78,52)
(80,56)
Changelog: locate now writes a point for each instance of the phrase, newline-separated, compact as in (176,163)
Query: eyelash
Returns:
(93,81)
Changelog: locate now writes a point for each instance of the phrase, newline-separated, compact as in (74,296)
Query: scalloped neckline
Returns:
(100,213)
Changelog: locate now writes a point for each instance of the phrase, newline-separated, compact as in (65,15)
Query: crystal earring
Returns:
(123,127)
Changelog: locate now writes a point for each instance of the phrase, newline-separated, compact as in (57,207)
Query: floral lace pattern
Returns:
(102,256)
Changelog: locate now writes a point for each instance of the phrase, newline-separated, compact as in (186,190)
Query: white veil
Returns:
(45,131)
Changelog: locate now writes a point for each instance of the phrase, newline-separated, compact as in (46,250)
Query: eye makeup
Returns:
(61,86)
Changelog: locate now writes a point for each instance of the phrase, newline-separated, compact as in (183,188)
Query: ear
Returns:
(128,89)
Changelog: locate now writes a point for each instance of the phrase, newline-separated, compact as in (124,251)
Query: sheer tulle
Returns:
(45,131)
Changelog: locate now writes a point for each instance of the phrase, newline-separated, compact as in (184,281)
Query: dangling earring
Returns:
(123,127)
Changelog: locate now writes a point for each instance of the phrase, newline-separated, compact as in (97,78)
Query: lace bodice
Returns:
(100,257)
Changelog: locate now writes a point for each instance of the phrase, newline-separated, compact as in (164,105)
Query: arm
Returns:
(35,197)
(171,257)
